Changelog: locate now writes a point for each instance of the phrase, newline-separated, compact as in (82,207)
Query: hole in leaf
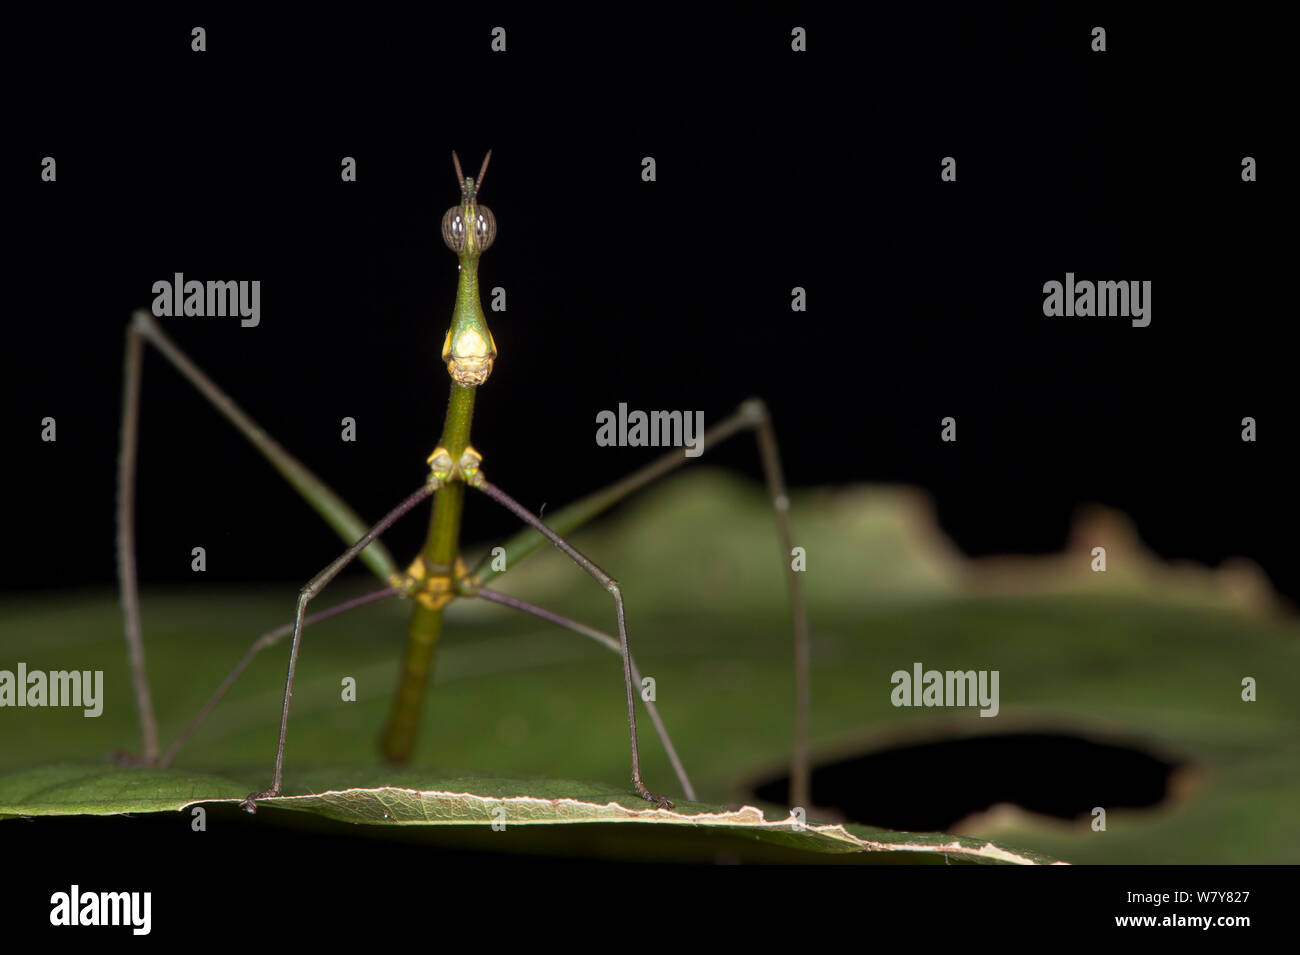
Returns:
(931,786)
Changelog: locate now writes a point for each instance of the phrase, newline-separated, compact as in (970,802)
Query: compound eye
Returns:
(453,229)
(485,229)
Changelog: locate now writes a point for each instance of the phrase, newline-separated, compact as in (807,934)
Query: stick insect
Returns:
(438,575)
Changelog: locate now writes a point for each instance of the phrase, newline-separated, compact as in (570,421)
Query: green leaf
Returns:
(97,790)
(1148,654)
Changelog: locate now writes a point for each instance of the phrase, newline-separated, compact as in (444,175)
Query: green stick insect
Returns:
(438,575)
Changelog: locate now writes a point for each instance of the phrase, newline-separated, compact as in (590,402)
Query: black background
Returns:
(774,170)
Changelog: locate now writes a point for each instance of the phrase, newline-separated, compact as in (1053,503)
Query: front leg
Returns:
(476,480)
(752,415)
(314,587)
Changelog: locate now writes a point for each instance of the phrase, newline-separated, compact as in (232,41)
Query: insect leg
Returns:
(310,590)
(612,643)
(611,585)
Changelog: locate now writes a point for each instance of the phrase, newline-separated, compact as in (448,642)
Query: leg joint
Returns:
(142,320)
(755,409)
